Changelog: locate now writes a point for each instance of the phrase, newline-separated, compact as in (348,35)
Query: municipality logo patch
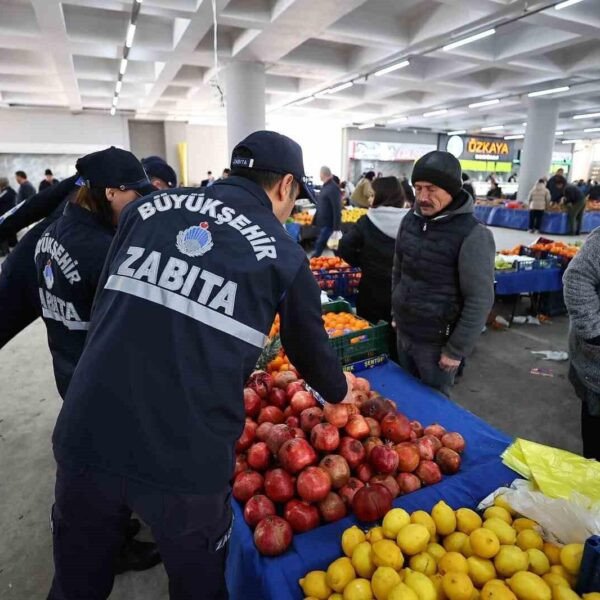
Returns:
(48,275)
(195,240)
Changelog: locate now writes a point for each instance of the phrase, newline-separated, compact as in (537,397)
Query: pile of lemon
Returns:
(449,555)
(351,215)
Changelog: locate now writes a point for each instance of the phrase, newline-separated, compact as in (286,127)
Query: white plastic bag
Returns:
(334,240)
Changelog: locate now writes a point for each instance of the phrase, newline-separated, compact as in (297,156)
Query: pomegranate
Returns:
(261,382)
(448,460)
(338,470)
(302,516)
(288,412)
(301,401)
(259,456)
(283,378)
(279,485)
(370,443)
(417,428)
(332,508)
(293,387)
(246,484)
(296,454)
(413,436)
(270,414)
(371,502)
(426,448)
(263,431)
(358,397)
(278,434)
(313,484)
(384,459)
(352,409)
(408,457)
(435,429)
(277,398)
(352,450)
(336,414)
(395,427)
(347,492)
(251,402)
(310,417)
(257,508)
(325,437)
(374,427)
(391,405)
(273,535)
(408,482)
(454,441)
(428,472)
(298,433)
(360,383)
(241,464)
(292,421)
(248,435)
(364,472)
(374,408)
(357,427)
(390,483)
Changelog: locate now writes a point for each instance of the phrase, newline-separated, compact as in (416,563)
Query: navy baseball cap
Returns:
(271,151)
(157,167)
(113,168)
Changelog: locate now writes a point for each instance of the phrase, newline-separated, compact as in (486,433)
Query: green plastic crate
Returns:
(358,345)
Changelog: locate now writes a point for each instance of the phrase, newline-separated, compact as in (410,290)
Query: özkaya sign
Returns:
(480,148)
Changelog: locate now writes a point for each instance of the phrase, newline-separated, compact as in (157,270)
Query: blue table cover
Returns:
(591,220)
(251,576)
(294,230)
(524,282)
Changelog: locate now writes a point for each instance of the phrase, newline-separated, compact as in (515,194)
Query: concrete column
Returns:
(244,100)
(175,132)
(538,145)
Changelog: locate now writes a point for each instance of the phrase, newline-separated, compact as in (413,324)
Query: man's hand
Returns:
(448,364)
(348,399)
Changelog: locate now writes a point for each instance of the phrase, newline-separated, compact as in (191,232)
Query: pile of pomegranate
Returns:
(299,465)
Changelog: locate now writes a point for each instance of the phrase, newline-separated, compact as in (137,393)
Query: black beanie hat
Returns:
(441,169)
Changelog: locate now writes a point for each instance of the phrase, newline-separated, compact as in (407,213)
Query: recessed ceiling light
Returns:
(391,68)
(591,129)
(468,40)
(564,88)
(558,132)
(123,66)
(566,3)
(457,132)
(484,103)
(492,128)
(366,125)
(397,120)
(113,110)
(130,34)
(339,88)
(118,86)
(323,93)
(570,141)
(304,101)
(435,113)
(524,124)
(587,116)
(519,136)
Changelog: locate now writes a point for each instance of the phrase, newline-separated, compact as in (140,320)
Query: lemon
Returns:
(506,534)
(467,550)
(484,542)
(424,563)
(421,585)
(351,538)
(423,518)
(413,538)
(393,522)
(362,560)
(570,557)
(444,518)
(560,592)
(335,597)
(358,589)
(467,520)
(523,523)
(383,580)
(455,541)
(402,592)
(457,586)
(453,562)
(437,580)
(314,584)
(436,550)
(538,561)
(500,501)
(552,551)
(481,570)
(339,573)
(497,512)
(592,596)
(475,595)
(509,560)
(553,579)
(528,538)
(496,590)
(386,553)
(529,586)
(375,534)
(560,570)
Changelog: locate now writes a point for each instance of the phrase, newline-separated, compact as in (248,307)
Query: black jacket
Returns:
(573,195)
(329,206)
(45,184)
(26,191)
(8,199)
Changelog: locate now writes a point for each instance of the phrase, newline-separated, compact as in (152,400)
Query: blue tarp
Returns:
(254,577)
(294,230)
(525,282)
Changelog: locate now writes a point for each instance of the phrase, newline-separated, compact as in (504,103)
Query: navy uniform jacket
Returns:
(69,257)
(189,291)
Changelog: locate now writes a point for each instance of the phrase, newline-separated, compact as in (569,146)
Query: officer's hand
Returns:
(448,364)
(348,397)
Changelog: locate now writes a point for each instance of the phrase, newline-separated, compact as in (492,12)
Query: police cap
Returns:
(157,167)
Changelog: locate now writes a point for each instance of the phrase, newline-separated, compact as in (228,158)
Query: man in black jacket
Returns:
(443,276)
(8,199)
(574,200)
(329,210)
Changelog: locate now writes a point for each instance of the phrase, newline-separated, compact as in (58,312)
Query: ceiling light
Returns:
(397,120)
(391,68)
(564,88)
(519,136)
(304,101)
(566,3)
(435,113)
(115,99)
(591,129)
(323,93)
(587,116)
(524,124)
(492,128)
(113,110)
(123,66)
(339,88)
(484,103)
(366,125)
(130,34)
(570,141)
(468,40)
(457,132)
(118,86)
(558,132)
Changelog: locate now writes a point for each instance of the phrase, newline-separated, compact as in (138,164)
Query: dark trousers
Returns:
(535,219)
(321,243)
(590,433)
(575,216)
(89,518)
(421,360)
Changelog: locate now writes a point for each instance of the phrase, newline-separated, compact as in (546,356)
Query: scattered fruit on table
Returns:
(299,465)
(351,215)
(449,555)
(328,262)
(303,218)
(559,248)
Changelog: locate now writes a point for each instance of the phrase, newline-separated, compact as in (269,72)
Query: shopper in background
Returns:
(468,185)
(495,190)
(443,275)
(49,180)
(162,176)
(409,193)
(538,200)
(26,190)
(209,179)
(583,187)
(329,210)
(581,283)
(364,191)
(555,193)
(594,193)
(574,200)
(8,200)
(512,178)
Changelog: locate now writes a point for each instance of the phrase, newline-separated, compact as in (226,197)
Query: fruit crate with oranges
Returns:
(336,277)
